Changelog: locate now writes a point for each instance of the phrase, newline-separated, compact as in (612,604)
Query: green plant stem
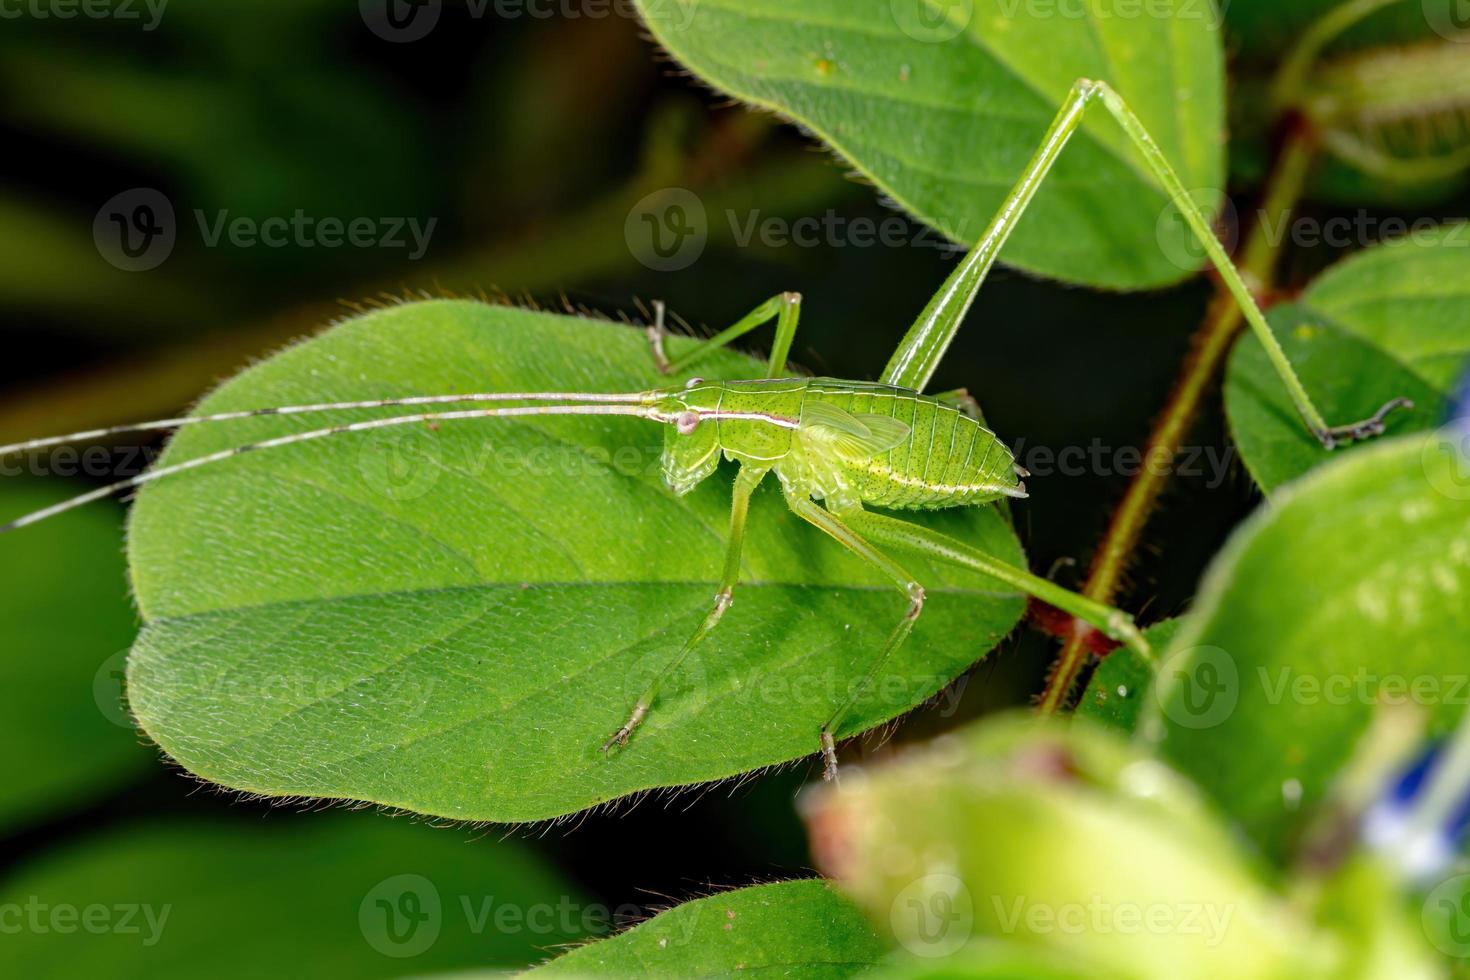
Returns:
(1257,263)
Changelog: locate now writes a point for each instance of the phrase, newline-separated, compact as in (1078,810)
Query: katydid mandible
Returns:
(837,447)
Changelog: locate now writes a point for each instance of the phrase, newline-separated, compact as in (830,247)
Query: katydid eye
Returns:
(687,422)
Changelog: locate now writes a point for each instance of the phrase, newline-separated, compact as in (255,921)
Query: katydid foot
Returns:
(620,737)
(829,756)
(1373,425)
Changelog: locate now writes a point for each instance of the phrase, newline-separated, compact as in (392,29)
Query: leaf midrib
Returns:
(202,614)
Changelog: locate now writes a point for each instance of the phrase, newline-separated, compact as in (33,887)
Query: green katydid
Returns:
(837,447)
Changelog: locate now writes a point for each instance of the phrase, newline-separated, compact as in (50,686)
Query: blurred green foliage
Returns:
(527,141)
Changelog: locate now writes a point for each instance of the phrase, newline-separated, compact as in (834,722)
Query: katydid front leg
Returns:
(923,347)
(745,483)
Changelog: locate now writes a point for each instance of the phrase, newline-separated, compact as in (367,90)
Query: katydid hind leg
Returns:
(844,534)
(919,353)
(745,483)
(1199,223)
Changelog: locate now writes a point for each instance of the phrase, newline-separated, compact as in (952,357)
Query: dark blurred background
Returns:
(527,138)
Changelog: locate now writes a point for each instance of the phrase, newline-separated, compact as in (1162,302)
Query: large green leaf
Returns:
(347,895)
(453,620)
(1345,591)
(1392,321)
(68,622)
(941,103)
(794,928)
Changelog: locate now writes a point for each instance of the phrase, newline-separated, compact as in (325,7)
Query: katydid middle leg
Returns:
(834,526)
(745,483)
(961,399)
(922,348)
(785,308)
(934,545)
(862,531)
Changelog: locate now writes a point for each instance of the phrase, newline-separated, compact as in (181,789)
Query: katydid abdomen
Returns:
(844,442)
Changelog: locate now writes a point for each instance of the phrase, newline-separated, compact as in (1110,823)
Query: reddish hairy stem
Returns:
(1209,347)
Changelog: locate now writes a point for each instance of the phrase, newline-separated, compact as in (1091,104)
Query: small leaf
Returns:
(1393,321)
(68,622)
(1049,835)
(453,620)
(794,928)
(1348,589)
(1122,682)
(344,895)
(942,103)
(1264,29)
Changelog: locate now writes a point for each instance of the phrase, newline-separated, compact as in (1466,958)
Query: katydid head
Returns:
(691,443)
